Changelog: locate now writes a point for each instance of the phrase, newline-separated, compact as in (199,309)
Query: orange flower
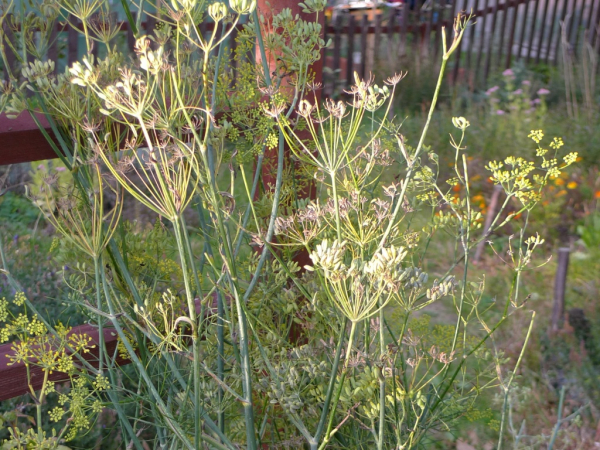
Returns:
(561,193)
(597,194)
(572,185)
(559,181)
(456,188)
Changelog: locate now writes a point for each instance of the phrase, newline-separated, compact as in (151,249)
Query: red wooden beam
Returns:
(22,141)
(13,378)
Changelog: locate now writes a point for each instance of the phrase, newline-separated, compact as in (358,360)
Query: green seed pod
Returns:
(242,6)
(217,11)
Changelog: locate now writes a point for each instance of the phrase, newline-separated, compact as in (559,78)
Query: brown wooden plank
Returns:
(13,378)
(22,141)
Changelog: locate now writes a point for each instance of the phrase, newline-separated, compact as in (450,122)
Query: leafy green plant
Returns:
(233,340)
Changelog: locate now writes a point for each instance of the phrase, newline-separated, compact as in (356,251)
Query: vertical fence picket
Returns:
(481,41)
(437,30)
(536,9)
(595,18)
(232,48)
(551,34)
(151,23)
(403,30)
(562,18)
(471,37)
(589,26)
(560,284)
(364,25)
(570,23)
(129,33)
(490,42)
(458,53)
(10,54)
(337,48)
(52,54)
(576,27)
(428,29)
(542,31)
(511,35)
(390,32)
(377,39)
(524,29)
(502,30)
(350,51)
(72,44)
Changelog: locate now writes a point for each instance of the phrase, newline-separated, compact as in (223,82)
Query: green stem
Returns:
(508,385)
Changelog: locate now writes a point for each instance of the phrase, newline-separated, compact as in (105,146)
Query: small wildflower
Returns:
(508,73)
(492,90)
(571,185)
(499,112)
(101,383)
(557,143)
(56,414)
(19,299)
(543,91)
(536,135)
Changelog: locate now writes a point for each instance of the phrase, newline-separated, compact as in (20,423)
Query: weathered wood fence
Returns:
(531,31)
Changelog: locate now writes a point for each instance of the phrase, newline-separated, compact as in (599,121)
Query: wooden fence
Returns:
(531,31)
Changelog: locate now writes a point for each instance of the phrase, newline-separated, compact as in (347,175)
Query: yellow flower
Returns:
(19,299)
(572,185)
